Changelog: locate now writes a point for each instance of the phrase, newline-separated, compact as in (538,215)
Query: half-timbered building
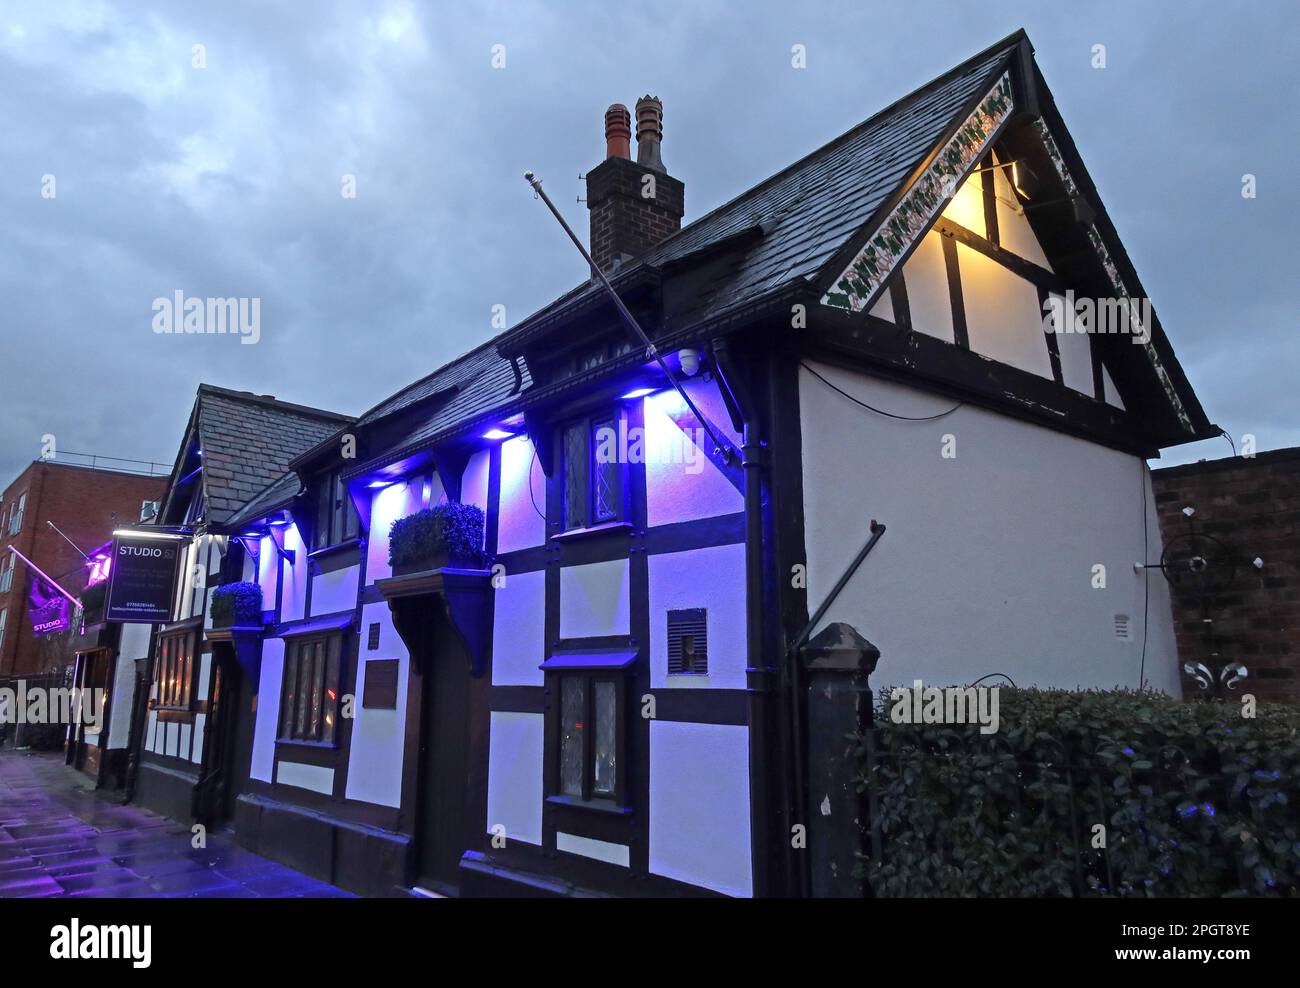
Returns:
(870,347)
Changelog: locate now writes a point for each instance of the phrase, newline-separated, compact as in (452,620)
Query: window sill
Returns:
(329,550)
(307,752)
(606,806)
(575,534)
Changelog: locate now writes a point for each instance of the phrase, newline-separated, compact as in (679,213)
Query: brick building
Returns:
(1244,509)
(86,503)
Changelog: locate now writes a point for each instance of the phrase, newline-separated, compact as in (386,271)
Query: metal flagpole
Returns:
(46,576)
(67,540)
(723,448)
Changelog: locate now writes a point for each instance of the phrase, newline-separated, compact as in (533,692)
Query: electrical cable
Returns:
(873,408)
(531,496)
(1224,434)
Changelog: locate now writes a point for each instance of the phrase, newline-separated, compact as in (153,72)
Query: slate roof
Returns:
(274,496)
(808,211)
(248,442)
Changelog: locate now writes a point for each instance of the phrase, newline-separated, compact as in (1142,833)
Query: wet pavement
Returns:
(58,838)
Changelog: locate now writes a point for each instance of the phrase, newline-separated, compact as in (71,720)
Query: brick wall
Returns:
(87,505)
(1253,505)
(623,221)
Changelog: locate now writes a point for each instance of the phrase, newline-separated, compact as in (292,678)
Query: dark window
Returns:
(688,642)
(309,705)
(591,741)
(372,637)
(176,673)
(593,469)
(335,514)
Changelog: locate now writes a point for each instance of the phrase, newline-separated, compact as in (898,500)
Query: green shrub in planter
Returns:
(1195,799)
(237,604)
(449,534)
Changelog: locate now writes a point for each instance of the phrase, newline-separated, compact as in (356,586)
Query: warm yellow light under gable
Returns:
(967,206)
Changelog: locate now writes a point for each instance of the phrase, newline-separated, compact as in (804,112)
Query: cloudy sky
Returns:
(226,180)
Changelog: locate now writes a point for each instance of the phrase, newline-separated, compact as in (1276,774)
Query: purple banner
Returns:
(48,609)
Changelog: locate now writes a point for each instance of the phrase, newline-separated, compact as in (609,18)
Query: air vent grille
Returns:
(688,645)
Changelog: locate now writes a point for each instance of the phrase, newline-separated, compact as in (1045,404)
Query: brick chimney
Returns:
(634,204)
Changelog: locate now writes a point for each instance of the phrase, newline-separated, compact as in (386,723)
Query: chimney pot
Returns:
(649,132)
(618,132)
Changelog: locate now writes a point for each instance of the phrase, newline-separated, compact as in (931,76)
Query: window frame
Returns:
(177,651)
(7,572)
(335,520)
(616,418)
(16,512)
(618,798)
(303,723)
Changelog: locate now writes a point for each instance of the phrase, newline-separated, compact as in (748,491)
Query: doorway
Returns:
(225,762)
(444,760)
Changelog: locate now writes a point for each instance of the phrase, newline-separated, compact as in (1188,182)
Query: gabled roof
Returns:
(793,232)
(247,443)
(809,209)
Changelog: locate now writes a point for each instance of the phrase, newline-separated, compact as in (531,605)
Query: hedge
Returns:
(452,529)
(1195,798)
(239,602)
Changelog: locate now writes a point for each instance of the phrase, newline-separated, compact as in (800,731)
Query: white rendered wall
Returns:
(675,584)
(335,591)
(268,709)
(987,561)
(519,630)
(699,805)
(293,604)
(594,599)
(515,751)
(134,644)
(523,496)
(681,483)
(378,735)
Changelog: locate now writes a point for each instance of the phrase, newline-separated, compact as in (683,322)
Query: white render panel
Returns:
(928,301)
(183,749)
(474,483)
(335,591)
(387,505)
(589,847)
(515,751)
(519,630)
(268,709)
(594,599)
(1014,232)
(986,564)
(200,725)
(317,778)
(1004,320)
(1076,353)
(293,605)
(681,483)
(523,495)
(1112,392)
(699,805)
(378,736)
(713,578)
(134,644)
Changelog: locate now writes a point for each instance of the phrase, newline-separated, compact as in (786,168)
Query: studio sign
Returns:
(142,580)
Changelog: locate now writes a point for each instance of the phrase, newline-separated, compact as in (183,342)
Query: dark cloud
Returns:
(225,180)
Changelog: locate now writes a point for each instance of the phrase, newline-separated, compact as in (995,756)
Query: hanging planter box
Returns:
(449,536)
(92,604)
(237,605)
